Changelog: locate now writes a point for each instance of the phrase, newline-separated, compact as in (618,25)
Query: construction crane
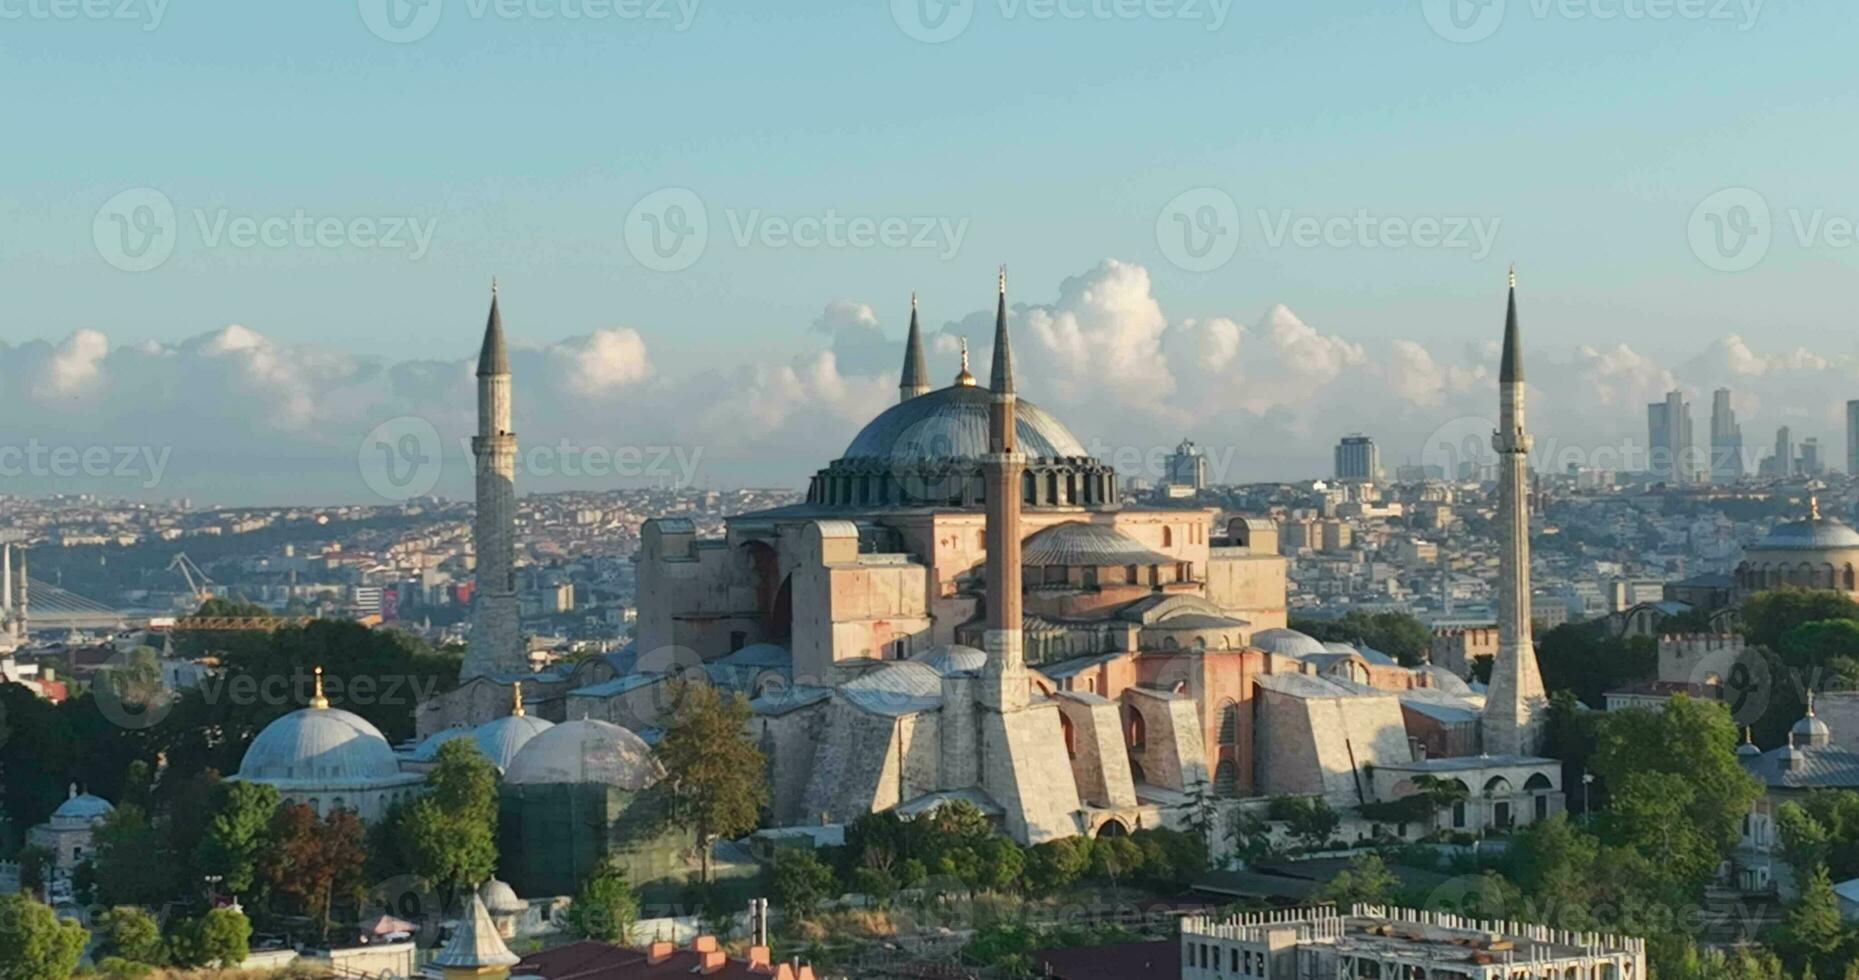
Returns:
(197,581)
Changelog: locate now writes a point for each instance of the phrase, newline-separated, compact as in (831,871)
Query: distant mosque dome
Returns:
(328,759)
(585,751)
(1813,534)
(1287,643)
(1817,553)
(502,738)
(81,810)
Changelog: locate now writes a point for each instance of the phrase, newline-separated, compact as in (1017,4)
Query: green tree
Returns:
(131,934)
(1587,660)
(1811,933)
(131,861)
(605,909)
(1396,634)
(221,938)
(237,823)
(451,832)
(1309,818)
(1367,880)
(800,881)
(34,943)
(716,776)
(1057,864)
(35,864)
(1768,615)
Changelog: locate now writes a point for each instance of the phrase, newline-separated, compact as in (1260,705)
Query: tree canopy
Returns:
(716,776)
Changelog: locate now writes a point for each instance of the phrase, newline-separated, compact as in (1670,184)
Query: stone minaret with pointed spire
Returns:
(495,646)
(915,379)
(1514,702)
(1004,681)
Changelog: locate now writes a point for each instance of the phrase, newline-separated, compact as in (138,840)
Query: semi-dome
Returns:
(952,658)
(1077,543)
(585,751)
(952,423)
(319,746)
(502,738)
(1287,643)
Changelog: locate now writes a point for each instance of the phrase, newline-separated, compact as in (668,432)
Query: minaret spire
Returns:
(1515,702)
(1004,685)
(495,645)
(915,379)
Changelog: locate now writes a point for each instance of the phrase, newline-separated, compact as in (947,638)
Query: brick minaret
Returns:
(915,379)
(1514,704)
(496,646)
(1004,683)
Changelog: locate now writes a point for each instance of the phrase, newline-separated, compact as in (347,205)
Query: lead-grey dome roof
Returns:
(81,809)
(320,746)
(585,751)
(952,423)
(502,738)
(1076,543)
(1815,534)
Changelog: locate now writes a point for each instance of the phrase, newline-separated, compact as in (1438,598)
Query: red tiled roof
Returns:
(1121,961)
(588,960)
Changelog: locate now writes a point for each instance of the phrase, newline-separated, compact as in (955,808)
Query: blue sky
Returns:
(524,141)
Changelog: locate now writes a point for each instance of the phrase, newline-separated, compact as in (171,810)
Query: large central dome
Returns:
(952,423)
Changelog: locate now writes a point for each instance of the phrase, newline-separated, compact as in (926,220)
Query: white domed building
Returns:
(329,759)
(499,739)
(69,832)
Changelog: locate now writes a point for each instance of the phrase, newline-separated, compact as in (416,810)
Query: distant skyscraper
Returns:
(1668,426)
(1357,460)
(1187,468)
(1852,438)
(1781,465)
(1809,462)
(1726,439)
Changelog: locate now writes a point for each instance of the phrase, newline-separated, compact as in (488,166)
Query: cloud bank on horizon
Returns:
(242,418)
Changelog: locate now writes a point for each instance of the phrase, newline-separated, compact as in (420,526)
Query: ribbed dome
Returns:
(952,658)
(320,746)
(502,738)
(1076,543)
(428,749)
(585,751)
(952,423)
(1816,534)
(500,899)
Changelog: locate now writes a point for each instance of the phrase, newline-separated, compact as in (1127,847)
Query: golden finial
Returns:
(493,285)
(913,299)
(1003,280)
(1513,275)
(317,700)
(1810,702)
(1813,507)
(516,707)
(964,378)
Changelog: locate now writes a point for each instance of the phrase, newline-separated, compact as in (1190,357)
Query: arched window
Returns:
(1226,778)
(1229,723)
(1168,536)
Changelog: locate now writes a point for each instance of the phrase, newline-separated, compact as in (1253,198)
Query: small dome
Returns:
(585,751)
(1287,643)
(1814,534)
(952,423)
(500,899)
(82,808)
(1811,731)
(1077,543)
(428,750)
(951,659)
(1445,680)
(320,746)
(1748,749)
(501,739)
(895,689)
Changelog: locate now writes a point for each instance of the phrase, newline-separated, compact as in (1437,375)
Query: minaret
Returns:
(495,646)
(915,379)
(1004,683)
(21,613)
(1514,702)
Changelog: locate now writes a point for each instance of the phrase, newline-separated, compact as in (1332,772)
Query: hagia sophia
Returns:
(963,608)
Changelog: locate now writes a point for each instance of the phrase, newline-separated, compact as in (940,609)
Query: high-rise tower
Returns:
(1514,702)
(1726,439)
(496,646)
(915,379)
